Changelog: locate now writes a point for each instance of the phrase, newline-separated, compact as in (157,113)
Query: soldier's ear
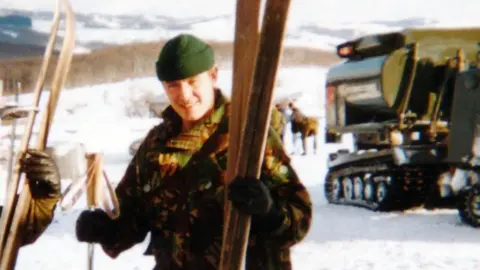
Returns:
(213,72)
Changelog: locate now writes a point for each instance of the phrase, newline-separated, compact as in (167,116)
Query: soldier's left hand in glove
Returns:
(42,174)
(252,197)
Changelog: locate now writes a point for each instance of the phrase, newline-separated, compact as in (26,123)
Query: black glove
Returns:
(252,197)
(42,174)
(94,227)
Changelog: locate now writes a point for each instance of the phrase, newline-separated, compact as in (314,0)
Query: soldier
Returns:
(44,182)
(173,187)
(278,121)
(307,126)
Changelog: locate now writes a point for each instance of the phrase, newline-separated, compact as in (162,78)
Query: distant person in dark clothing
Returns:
(307,126)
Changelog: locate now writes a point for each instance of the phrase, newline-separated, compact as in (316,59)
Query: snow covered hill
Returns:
(320,24)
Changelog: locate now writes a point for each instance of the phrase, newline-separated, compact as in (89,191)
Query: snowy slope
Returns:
(341,237)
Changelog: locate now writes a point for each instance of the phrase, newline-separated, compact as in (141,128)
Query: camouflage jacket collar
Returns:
(194,138)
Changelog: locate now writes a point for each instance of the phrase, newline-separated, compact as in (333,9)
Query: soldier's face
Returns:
(192,98)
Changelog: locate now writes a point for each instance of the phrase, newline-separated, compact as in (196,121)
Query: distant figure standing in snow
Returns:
(173,187)
(44,182)
(278,121)
(306,126)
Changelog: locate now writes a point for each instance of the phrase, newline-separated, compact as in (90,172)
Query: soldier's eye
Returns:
(193,82)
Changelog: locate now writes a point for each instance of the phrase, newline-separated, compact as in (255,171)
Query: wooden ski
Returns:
(253,132)
(104,190)
(96,194)
(14,214)
(13,184)
(98,190)
(245,53)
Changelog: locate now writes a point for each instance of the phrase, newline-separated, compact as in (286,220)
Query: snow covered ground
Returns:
(341,237)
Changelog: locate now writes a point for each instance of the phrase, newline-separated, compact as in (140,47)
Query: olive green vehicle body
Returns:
(411,100)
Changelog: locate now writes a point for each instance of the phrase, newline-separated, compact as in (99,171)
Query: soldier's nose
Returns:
(185,92)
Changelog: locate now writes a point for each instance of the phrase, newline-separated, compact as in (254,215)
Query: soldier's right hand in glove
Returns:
(251,196)
(42,174)
(94,227)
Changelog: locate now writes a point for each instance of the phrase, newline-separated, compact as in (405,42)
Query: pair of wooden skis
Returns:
(18,197)
(257,53)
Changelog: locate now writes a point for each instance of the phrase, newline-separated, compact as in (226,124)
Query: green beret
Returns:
(184,56)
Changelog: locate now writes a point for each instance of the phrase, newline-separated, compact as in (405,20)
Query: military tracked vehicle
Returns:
(411,101)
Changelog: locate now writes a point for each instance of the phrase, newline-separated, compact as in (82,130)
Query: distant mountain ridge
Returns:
(22,48)
(9,50)
(18,39)
(16,20)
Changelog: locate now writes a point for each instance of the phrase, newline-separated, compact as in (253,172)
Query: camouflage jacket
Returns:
(39,216)
(277,121)
(173,189)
